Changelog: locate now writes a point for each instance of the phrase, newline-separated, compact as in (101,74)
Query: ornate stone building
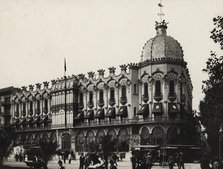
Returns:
(149,102)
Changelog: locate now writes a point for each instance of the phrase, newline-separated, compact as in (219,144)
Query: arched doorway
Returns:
(145,136)
(80,142)
(66,141)
(123,140)
(53,137)
(99,135)
(158,136)
(173,135)
(90,141)
(113,137)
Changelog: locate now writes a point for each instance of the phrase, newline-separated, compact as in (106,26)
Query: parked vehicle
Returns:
(33,156)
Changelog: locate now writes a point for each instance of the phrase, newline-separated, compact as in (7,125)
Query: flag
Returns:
(65,66)
(160,5)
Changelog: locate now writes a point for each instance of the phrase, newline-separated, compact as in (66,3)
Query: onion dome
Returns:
(162,46)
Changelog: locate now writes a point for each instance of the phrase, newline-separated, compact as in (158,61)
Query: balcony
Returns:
(101,103)
(111,101)
(123,100)
(172,96)
(158,96)
(116,122)
(90,104)
(145,98)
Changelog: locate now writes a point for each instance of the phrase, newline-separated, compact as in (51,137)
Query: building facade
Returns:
(147,103)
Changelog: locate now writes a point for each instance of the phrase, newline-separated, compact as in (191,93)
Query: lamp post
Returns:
(221,142)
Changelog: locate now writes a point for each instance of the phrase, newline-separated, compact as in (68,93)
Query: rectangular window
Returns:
(135,89)
(112,94)
(123,91)
(158,88)
(90,96)
(171,87)
(101,96)
(145,89)
(134,111)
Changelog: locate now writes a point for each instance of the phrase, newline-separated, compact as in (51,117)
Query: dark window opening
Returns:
(45,105)
(123,91)
(31,107)
(101,95)
(145,89)
(112,94)
(171,87)
(135,89)
(158,88)
(134,111)
(24,109)
(91,96)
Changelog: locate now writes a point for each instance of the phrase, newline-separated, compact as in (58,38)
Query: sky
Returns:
(36,36)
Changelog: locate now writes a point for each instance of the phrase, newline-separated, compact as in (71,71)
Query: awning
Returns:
(100,114)
(123,112)
(15,121)
(44,119)
(144,110)
(29,120)
(36,119)
(158,108)
(79,116)
(22,121)
(90,114)
(172,108)
(110,112)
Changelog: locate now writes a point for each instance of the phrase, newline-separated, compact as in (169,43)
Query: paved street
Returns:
(75,165)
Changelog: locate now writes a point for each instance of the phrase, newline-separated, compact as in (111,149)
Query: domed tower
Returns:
(165,92)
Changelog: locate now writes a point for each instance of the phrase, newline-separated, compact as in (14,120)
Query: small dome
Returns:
(162,46)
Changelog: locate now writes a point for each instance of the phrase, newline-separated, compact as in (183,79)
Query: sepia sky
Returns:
(36,35)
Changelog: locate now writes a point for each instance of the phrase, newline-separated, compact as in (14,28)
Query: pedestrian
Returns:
(180,160)
(112,166)
(148,161)
(69,158)
(16,156)
(82,160)
(60,165)
(115,158)
(87,161)
(171,162)
(133,160)
(215,163)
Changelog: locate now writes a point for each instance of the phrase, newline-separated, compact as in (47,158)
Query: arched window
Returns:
(90,96)
(66,141)
(123,91)
(146,90)
(135,89)
(38,107)
(112,94)
(24,108)
(145,136)
(171,87)
(158,136)
(31,108)
(45,105)
(17,110)
(158,88)
(101,96)
(81,100)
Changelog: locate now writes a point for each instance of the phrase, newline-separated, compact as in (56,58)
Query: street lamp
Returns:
(221,142)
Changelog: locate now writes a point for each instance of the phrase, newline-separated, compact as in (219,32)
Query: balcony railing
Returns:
(172,96)
(145,98)
(123,100)
(127,122)
(158,96)
(90,104)
(101,103)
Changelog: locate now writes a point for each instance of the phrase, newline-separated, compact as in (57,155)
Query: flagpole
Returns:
(65,92)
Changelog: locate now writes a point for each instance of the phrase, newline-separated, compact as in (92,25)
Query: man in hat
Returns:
(60,165)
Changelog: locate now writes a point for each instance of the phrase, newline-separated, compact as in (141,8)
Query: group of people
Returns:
(18,156)
(96,161)
(146,161)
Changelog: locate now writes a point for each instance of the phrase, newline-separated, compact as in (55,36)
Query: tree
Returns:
(48,148)
(211,107)
(7,136)
(107,147)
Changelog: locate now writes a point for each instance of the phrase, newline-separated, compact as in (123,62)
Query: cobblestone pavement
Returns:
(75,165)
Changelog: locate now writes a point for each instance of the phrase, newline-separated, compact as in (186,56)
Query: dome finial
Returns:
(162,25)
(161,14)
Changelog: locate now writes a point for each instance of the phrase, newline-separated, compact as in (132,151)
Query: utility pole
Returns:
(65,93)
